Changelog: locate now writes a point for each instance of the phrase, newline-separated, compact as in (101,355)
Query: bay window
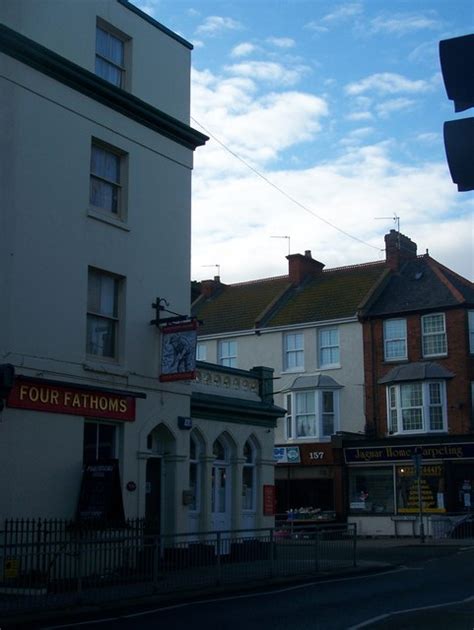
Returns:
(312,414)
(417,407)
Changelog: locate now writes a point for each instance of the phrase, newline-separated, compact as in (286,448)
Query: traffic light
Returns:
(457,65)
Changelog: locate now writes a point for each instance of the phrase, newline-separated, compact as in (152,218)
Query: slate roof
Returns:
(334,294)
(415,372)
(421,284)
(237,307)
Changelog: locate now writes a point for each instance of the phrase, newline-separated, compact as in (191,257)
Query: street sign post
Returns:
(417,462)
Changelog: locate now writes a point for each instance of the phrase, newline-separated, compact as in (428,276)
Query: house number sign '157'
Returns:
(316,455)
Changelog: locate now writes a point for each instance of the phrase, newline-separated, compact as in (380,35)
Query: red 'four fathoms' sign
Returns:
(43,396)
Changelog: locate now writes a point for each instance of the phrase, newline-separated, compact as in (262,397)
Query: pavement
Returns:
(373,555)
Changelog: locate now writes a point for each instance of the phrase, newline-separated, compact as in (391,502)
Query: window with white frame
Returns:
(110,54)
(417,407)
(248,477)
(470,316)
(293,351)
(395,339)
(99,442)
(433,328)
(328,345)
(228,353)
(107,177)
(102,314)
(201,352)
(312,414)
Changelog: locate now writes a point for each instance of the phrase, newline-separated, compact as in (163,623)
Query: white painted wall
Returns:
(48,241)
(160,65)
(267,349)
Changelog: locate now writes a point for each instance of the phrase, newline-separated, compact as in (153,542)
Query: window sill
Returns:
(105,218)
(410,433)
(104,368)
(293,371)
(329,367)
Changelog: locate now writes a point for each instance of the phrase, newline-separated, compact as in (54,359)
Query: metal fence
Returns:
(452,527)
(56,563)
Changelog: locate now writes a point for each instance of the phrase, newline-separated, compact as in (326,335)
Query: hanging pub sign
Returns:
(178,354)
(53,397)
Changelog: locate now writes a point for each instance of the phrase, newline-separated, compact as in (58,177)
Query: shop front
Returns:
(308,481)
(387,482)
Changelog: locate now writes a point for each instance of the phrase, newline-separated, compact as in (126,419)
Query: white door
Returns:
(220,498)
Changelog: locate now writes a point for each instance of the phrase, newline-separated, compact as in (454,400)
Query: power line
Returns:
(280,190)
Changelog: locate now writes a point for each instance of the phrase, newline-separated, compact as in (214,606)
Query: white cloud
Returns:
(281,42)
(350,192)
(243,50)
(385,109)
(403,23)
(316,27)
(269,71)
(215,24)
(387,83)
(358,116)
(344,12)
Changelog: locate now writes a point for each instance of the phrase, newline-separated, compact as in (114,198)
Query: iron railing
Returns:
(56,563)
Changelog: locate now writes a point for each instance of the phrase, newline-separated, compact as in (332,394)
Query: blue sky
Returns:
(335,111)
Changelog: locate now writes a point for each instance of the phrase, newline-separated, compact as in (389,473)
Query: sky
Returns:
(326,132)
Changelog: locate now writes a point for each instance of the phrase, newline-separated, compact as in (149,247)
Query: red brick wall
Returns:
(458,361)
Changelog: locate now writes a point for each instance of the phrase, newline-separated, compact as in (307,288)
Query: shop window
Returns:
(371,490)
(99,442)
(432,489)
(434,341)
(418,407)
(395,339)
(293,352)
(248,477)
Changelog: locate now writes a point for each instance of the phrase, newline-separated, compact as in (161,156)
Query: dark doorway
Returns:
(153,492)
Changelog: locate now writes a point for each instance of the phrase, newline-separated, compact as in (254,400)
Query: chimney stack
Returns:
(301,267)
(398,249)
(209,287)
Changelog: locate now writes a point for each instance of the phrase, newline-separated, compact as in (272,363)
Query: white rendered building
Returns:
(95,216)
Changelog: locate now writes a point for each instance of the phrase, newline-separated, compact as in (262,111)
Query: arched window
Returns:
(248,477)
(218,450)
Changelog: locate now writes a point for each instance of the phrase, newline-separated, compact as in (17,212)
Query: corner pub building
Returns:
(97,155)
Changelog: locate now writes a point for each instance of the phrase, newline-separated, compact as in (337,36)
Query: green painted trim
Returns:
(153,22)
(236,410)
(61,69)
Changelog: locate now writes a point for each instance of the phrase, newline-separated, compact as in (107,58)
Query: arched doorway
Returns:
(160,480)
(221,486)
